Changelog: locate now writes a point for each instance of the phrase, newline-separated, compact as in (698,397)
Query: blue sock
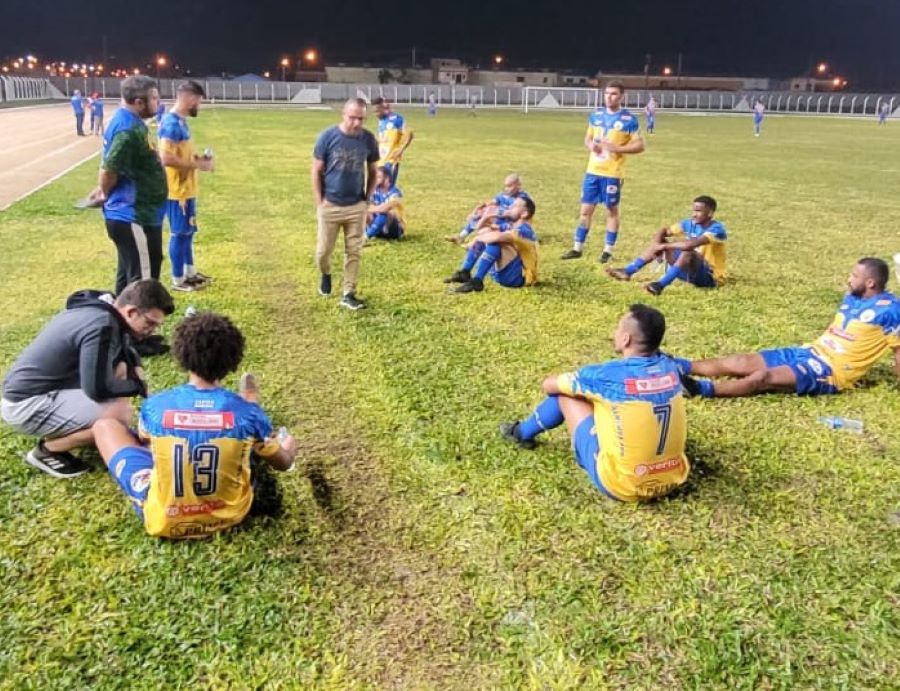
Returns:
(611,237)
(179,248)
(671,274)
(377,225)
(546,416)
(472,255)
(635,266)
(581,234)
(707,388)
(189,250)
(489,257)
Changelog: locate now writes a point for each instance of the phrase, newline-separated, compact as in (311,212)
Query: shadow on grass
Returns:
(325,493)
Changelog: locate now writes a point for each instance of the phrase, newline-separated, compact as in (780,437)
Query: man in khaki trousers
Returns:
(343,176)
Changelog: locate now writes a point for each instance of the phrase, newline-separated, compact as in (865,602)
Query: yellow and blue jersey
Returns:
(713,252)
(201,440)
(394,197)
(175,137)
(862,331)
(391,137)
(525,240)
(505,201)
(619,128)
(640,421)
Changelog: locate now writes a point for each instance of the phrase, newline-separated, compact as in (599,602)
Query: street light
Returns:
(284,65)
(667,71)
(160,63)
(822,67)
(311,56)
(498,60)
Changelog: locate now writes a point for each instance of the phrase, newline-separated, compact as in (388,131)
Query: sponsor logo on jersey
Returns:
(617,126)
(655,468)
(840,333)
(190,420)
(194,509)
(612,189)
(882,303)
(201,403)
(649,385)
(867,315)
(120,466)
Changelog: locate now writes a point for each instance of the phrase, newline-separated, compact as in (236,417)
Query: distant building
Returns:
(813,84)
(449,71)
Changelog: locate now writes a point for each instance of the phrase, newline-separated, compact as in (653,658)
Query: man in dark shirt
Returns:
(132,184)
(81,368)
(343,177)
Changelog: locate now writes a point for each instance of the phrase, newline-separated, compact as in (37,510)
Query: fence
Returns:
(27,89)
(527,97)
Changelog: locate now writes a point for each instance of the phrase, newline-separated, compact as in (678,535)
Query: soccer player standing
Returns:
(758,111)
(394,137)
(612,134)
(176,150)
(650,112)
(626,417)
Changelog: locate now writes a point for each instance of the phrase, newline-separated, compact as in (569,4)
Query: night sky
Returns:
(859,38)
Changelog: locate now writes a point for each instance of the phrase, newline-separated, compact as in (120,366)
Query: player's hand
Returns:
(660,247)
(203,163)
(455,239)
(96,196)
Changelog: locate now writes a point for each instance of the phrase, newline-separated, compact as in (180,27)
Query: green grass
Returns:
(416,550)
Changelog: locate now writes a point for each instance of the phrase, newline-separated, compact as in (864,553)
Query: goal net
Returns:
(559,98)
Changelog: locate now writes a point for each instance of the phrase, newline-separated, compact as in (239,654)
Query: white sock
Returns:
(608,248)
(189,271)
(578,246)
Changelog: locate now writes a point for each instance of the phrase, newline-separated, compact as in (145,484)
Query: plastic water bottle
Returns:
(190,311)
(282,435)
(835,422)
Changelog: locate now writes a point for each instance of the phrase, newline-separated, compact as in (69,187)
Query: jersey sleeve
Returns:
(715,233)
(581,384)
(889,321)
(169,129)
(677,229)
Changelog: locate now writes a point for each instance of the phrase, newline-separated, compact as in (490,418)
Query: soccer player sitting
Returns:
(510,256)
(194,479)
(626,417)
(866,326)
(497,210)
(698,258)
(385,217)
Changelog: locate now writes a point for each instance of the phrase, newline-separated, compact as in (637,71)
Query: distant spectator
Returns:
(77,101)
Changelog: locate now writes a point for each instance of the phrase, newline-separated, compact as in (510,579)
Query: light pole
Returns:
(284,65)
(160,63)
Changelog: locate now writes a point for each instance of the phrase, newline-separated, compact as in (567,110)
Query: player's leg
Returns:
(781,379)
(376,225)
(682,265)
(126,252)
(326,237)
(612,194)
(740,365)
(638,263)
(549,414)
(129,462)
(464,273)
(489,257)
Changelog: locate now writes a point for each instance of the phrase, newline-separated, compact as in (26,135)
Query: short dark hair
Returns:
(878,271)
(208,344)
(192,86)
(652,325)
(529,206)
(707,201)
(386,172)
(137,86)
(147,294)
(616,84)
(379,100)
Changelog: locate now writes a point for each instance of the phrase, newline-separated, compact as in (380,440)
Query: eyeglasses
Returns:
(153,324)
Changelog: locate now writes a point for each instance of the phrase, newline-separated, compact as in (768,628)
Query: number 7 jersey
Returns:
(640,421)
(201,440)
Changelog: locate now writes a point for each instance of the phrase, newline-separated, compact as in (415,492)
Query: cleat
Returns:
(350,302)
(461,276)
(605,257)
(510,432)
(571,254)
(475,285)
(619,274)
(654,288)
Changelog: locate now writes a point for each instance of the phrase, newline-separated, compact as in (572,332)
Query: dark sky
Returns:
(747,37)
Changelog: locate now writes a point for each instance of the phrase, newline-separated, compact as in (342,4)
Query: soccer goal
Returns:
(557,98)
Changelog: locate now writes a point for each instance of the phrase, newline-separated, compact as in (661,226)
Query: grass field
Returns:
(416,549)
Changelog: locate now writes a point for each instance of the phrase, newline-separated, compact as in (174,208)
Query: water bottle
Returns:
(835,422)
(190,311)
(207,153)
(282,435)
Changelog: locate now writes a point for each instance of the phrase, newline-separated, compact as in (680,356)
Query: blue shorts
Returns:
(597,189)
(182,216)
(701,274)
(814,375)
(131,468)
(512,275)
(587,448)
(392,230)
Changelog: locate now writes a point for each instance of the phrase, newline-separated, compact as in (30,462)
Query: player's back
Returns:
(525,240)
(641,425)
(201,440)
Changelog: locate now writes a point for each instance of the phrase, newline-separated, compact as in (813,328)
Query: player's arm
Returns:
(635,145)
(384,207)
(317,171)
(117,158)
(370,178)
(283,458)
(661,235)
(493,237)
(167,149)
(686,245)
(405,140)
